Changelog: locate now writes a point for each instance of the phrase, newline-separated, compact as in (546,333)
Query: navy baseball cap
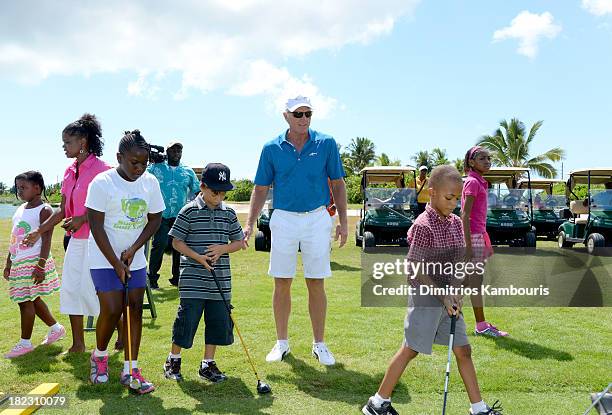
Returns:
(217,177)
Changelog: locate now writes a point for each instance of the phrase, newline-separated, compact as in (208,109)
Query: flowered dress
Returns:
(24,259)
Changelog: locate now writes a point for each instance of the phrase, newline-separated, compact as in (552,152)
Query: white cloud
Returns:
(598,7)
(529,29)
(240,47)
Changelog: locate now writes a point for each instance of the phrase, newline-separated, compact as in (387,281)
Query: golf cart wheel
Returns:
(357,240)
(261,242)
(368,241)
(562,242)
(594,243)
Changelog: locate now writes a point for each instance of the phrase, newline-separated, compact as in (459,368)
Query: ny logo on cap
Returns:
(222,176)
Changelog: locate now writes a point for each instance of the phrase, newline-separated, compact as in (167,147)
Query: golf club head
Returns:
(263,387)
(134,383)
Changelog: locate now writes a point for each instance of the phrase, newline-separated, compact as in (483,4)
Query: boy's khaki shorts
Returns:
(427,322)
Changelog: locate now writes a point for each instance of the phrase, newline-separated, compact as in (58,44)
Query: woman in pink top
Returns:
(82,140)
(474,199)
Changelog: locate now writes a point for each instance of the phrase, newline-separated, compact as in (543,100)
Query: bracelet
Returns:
(44,261)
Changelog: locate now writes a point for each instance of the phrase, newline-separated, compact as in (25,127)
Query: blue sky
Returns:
(410,75)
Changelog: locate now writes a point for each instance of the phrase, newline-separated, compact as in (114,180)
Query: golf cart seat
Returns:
(578,208)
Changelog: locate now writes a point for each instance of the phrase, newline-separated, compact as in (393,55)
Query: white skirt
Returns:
(78,294)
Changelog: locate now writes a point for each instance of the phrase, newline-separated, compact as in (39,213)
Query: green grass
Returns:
(555,357)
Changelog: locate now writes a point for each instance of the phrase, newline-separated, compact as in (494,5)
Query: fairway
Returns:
(554,359)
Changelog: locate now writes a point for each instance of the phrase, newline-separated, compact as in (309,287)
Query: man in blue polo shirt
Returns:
(178,183)
(298,164)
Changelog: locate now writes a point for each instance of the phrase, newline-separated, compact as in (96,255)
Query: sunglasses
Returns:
(298,114)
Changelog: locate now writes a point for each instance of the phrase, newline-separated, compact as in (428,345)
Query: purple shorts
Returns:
(106,279)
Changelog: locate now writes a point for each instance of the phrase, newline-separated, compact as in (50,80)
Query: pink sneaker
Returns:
(145,386)
(54,336)
(18,350)
(98,369)
(487,329)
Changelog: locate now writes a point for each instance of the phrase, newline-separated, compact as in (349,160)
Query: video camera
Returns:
(156,155)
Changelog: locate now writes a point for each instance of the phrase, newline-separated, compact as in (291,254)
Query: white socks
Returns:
(25,342)
(283,343)
(100,353)
(479,407)
(174,356)
(378,400)
(56,327)
(126,365)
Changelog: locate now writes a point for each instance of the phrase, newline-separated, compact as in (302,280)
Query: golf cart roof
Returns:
(599,175)
(387,169)
(384,174)
(504,174)
(538,183)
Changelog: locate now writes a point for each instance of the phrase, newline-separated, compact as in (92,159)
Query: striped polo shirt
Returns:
(200,227)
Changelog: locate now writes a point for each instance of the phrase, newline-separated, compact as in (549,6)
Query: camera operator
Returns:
(177,182)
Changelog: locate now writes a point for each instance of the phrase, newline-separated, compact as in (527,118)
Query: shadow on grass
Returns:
(529,350)
(343,267)
(113,395)
(336,383)
(230,397)
(166,294)
(38,360)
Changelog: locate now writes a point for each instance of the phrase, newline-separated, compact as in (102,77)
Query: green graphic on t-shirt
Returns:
(134,210)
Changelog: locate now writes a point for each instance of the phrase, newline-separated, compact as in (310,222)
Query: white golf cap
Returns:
(297,102)
(174,143)
(423,168)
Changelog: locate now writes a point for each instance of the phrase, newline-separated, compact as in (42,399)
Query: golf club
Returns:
(134,383)
(451,339)
(262,387)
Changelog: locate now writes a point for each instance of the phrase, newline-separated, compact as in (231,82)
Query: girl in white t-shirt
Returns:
(124,208)
(30,270)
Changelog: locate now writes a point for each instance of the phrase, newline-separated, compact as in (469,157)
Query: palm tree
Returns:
(361,153)
(423,158)
(438,156)
(384,160)
(509,146)
(458,163)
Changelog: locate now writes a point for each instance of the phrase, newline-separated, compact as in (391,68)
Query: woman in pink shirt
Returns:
(82,140)
(474,199)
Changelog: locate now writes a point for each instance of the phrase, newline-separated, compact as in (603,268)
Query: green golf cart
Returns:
(263,238)
(589,220)
(389,207)
(509,210)
(547,207)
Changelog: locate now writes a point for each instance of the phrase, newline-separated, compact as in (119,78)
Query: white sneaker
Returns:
(278,352)
(322,354)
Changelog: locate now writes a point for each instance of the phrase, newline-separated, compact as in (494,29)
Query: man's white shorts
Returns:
(310,233)
(77,293)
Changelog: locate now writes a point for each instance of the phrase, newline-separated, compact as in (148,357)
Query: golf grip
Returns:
(229,311)
(448,360)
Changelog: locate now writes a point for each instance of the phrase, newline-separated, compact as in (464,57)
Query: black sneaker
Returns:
(173,282)
(496,409)
(172,369)
(384,409)
(211,372)
(154,285)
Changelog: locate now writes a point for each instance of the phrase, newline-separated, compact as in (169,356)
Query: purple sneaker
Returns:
(18,350)
(487,329)
(54,336)
(99,369)
(145,386)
